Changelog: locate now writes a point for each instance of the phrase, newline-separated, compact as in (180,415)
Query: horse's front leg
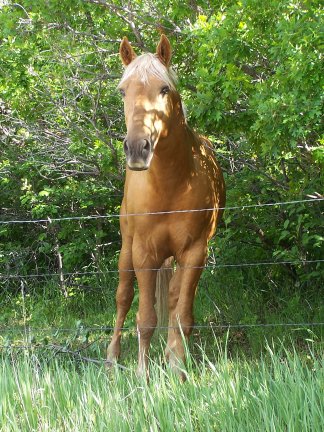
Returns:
(146,316)
(181,298)
(124,298)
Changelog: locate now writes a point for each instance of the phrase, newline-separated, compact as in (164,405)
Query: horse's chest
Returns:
(167,226)
(169,216)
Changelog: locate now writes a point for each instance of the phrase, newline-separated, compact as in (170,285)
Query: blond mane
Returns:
(147,65)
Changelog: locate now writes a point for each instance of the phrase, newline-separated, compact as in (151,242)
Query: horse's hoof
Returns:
(178,368)
(111,363)
(143,373)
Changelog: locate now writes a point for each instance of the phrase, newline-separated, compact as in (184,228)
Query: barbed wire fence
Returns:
(212,326)
(169,212)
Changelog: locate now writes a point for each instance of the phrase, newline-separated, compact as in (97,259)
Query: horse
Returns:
(174,193)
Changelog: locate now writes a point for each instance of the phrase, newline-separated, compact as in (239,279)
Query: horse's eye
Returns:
(165,90)
(122,92)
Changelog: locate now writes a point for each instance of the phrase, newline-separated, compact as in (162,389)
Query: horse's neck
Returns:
(173,159)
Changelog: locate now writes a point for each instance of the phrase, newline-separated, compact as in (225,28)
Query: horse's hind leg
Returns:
(124,298)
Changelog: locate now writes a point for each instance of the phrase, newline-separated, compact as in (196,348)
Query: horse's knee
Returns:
(184,325)
(146,327)
(145,333)
(124,295)
(184,330)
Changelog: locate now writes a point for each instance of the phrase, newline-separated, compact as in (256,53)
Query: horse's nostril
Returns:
(147,146)
(125,146)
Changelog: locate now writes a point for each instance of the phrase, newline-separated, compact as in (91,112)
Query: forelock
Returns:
(147,65)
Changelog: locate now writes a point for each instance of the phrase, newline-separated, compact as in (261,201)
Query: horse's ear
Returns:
(126,52)
(164,51)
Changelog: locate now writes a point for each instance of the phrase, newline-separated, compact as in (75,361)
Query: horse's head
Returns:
(150,101)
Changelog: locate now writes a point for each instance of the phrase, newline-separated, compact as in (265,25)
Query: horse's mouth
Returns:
(138,168)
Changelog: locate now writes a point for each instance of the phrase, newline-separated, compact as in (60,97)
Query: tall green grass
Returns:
(282,391)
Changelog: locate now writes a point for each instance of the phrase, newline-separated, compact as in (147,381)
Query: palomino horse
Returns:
(169,170)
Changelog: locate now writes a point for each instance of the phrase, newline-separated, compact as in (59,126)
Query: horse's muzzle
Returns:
(138,153)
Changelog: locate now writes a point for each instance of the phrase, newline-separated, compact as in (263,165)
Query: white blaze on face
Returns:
(156,117)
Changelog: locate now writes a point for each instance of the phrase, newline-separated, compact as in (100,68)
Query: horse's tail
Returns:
(162,290)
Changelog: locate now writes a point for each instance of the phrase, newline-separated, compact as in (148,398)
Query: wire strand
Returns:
(90,217)
(195,326)
(211,266)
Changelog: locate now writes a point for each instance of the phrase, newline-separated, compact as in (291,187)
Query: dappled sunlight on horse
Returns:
(169,168)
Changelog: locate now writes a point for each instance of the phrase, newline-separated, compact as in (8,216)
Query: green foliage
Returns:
(250,74)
